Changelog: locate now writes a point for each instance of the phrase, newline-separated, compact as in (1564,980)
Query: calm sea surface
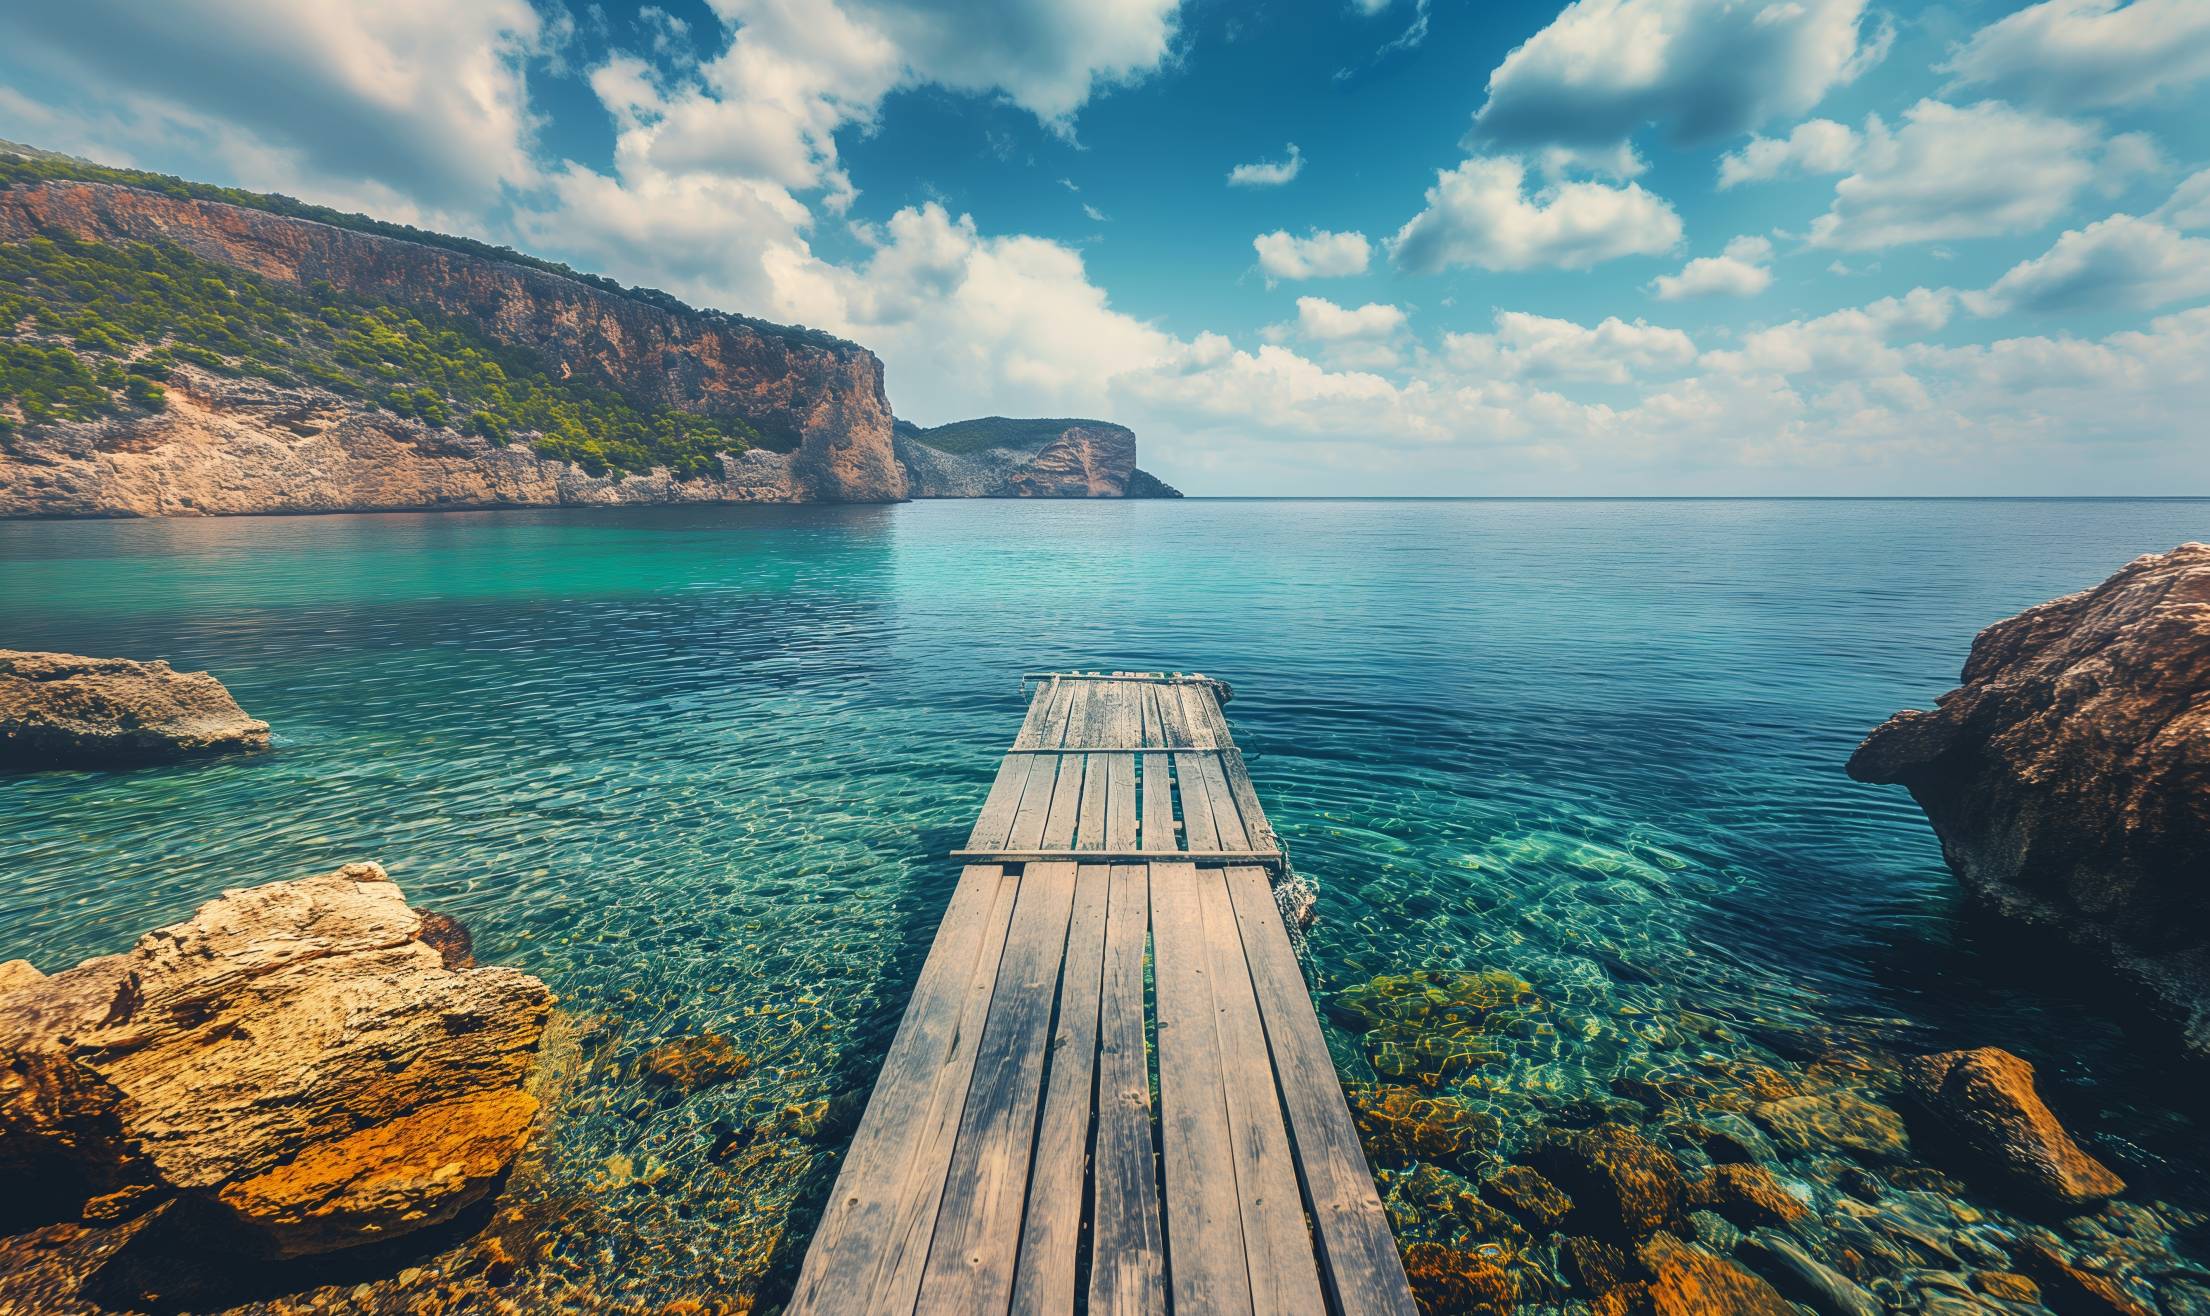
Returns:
(697,769)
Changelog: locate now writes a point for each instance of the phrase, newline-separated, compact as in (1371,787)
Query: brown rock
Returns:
(2009,1286)
(1826,1121)
(449,937)
(387,1179)
(1525,1191)
(59,709)
(15,974)
(1688,1281)
(292,1056)
(2068,776)
(1403,1122)
(691,1063)
(1623,1187)
(1986,1099)
(2073,1291)
(1748,1195)
(1598,1266)
(1446,1282)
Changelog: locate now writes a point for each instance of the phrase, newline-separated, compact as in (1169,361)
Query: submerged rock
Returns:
(2068,776)
(293,1061)
(1748,1195)
(1446,1282)
(2072,1289)
(1798,1275)
(1688,1281)
(1433,1023)
(1986,1100)
(688,1064)
(1837,1120)
(60,709)
(1623,1186)
(1403,1122)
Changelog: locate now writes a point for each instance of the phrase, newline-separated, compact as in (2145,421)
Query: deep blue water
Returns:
(697,767)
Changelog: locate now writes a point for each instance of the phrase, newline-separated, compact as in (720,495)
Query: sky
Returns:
(1355,247)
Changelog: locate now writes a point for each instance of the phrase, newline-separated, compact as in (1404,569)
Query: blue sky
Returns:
(1613,247)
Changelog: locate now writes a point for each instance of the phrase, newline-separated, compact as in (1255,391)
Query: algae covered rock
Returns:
(1446,1282)
(1688,1281)
(1623,1186)
(689,1064)
(1986,1100)
(63,710)
(1405,1123)
(1432,1023)
(292,1060)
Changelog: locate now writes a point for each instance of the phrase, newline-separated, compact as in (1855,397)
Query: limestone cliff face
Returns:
(235,448)
(1000,458)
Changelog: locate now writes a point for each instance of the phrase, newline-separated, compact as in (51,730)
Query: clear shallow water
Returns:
(696,768)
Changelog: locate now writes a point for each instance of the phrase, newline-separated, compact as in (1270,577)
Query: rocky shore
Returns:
(298,1069)
(60,709)
(999,458)
(2068,775)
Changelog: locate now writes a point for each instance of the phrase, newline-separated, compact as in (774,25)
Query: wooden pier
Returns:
(1013,1157)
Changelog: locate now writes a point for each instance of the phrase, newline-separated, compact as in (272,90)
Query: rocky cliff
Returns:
(238,445)
(997,457)
(2068,775)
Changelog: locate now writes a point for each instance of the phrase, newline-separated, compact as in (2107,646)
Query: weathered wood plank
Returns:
(1120,801)
(1200,715)
(1039,711)
(978,1225)
(1208,1272)
(1066,805)
(1127,1259)
(1089,833)
(1052,1227)
(1027,831)
(1227,822)
(1284,1276)
(1363,1270)
(883,1192)
(1198,830)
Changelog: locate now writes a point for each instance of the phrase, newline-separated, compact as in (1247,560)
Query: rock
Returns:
(1526,1192)
(449,937)
(1439,1196)
(1729,1137)
(292,1058)
(1446,1282)
(1824,1121)
(1748,1195)
(1688,1281)
(17,974)
(996,457)
(2068,776)
(1598,1266)
(1623,1187)
(688,1064)
(1433,1023)
(1798,1275)
(1986,1100)
(1403,1122)
(226,446)
(2007,1285)
(59,709)
(2074,1291)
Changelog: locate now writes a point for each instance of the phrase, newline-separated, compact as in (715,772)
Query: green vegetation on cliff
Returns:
(966,437)
(22,165)
(90,329)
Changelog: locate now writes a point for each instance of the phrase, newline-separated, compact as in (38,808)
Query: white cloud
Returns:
(420,98)
(2119,263)
(1847,344)
(1481,214)
(1618,161)
(2189,206)
(1046,56)
(1957,172)
(1540,347)
(1320,254)
(1816,146)
(1740,271)
(1268,173)
(1319,318)
(1701,68)
(2070,54)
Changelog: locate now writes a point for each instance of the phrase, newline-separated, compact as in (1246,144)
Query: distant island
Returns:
(177,348)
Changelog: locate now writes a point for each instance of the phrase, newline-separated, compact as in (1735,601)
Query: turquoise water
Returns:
(696,768)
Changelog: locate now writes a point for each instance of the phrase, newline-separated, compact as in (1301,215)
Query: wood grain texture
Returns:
(1207,1270)
(978,1226)
(1128,1259)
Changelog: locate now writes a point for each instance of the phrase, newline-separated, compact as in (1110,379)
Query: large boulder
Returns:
(59,709)
(2068,777)
(1986,1101)
(293,1061)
